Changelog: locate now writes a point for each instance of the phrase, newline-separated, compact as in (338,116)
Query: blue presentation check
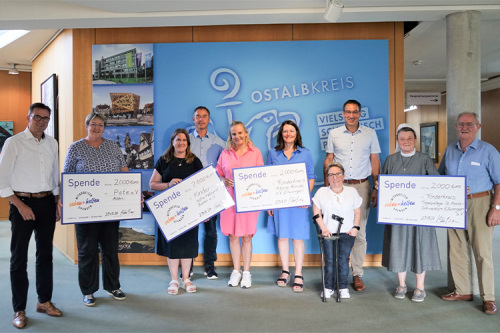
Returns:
(431,201)
(271,187)
(100,197)
(187,204)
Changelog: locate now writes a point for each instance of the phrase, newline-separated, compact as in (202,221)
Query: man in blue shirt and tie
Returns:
(480,163)
(207,147)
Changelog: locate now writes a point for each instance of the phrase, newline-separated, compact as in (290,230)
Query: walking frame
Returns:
(334,237)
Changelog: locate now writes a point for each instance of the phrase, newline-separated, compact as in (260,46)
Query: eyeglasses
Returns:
(335,174)
(354,113)
(38,118)
(466,124)
(94,125)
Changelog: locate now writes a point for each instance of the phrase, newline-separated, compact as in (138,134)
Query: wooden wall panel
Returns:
(144,35)
(490,117)
(57,58)
(243,33)
(15,94)
(82,79)
(336,31)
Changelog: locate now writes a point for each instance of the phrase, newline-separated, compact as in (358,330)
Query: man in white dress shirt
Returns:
(29,179)
(356,147)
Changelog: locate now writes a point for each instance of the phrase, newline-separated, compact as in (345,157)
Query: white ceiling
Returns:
(427,42)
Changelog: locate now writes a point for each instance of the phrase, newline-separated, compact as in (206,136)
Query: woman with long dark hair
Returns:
(177,163)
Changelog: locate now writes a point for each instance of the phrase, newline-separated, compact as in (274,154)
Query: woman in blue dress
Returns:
(291,223)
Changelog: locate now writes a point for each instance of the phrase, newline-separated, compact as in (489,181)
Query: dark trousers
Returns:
(210,241)
(43,226)
(90,237)
(345,245)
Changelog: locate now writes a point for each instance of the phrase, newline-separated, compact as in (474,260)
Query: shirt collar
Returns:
(474,144)
(298,149)
(29,135)
(196,135)
(358,130)
(250,147)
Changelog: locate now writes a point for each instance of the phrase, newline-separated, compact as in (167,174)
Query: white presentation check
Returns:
(271,187)
(187,204)
(100,197)
(432,201)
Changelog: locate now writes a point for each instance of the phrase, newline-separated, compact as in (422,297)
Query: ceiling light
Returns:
(411,108)
(333,10)
(13,70)
(8,36)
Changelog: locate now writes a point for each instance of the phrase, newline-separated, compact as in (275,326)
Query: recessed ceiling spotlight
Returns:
(333,10)
(13,70)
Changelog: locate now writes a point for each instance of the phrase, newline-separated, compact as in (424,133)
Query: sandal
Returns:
(173,287)
(189,289)
(298,287)
(282,282)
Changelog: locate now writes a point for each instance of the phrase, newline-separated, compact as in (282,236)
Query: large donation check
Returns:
(187,204)
(100,197)
(432,201)
(271,187)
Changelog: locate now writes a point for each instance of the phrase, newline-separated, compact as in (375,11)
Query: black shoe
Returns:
(117,294)
(88,300)
(211,273)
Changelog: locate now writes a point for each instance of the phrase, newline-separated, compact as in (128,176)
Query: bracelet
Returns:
(357,227)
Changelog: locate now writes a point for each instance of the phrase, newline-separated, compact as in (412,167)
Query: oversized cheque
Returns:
(433,201)
(271,187)
(187,204)
(100,197)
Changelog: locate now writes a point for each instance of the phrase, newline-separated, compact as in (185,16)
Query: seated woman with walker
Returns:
(344,202)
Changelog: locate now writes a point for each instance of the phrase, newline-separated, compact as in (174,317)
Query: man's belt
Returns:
(478,195)
(355,181)
(38,195)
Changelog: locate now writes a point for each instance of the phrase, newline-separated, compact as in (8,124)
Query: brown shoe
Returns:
(489,307)
(358,283)
(19,319)
(454,296)
(49,309)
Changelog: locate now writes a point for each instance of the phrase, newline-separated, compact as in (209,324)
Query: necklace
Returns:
(405,165)
(179,161)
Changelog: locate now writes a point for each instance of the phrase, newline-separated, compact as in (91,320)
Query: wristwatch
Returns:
(357,227)
(497,207)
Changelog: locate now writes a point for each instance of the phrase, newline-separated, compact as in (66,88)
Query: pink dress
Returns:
(232,223)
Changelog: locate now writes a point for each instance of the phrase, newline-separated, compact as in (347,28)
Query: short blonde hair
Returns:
(335,164)
(91,116)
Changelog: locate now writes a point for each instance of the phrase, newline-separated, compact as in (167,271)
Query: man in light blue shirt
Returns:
(207,147)
(480,163)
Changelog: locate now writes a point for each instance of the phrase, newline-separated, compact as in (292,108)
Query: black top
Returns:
(186,245)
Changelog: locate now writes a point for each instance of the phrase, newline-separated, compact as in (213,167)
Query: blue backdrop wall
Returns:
(265,83)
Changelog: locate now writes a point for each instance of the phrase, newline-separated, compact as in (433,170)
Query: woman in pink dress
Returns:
(239,153)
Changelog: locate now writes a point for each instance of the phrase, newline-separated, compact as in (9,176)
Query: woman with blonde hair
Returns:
(240,152)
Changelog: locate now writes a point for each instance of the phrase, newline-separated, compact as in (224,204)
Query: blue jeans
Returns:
(345,245)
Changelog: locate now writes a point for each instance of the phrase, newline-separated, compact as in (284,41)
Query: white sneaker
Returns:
(246,281)
(328,293)
(344,293)
(235,279)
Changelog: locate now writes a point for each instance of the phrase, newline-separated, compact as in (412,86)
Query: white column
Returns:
(463,82)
